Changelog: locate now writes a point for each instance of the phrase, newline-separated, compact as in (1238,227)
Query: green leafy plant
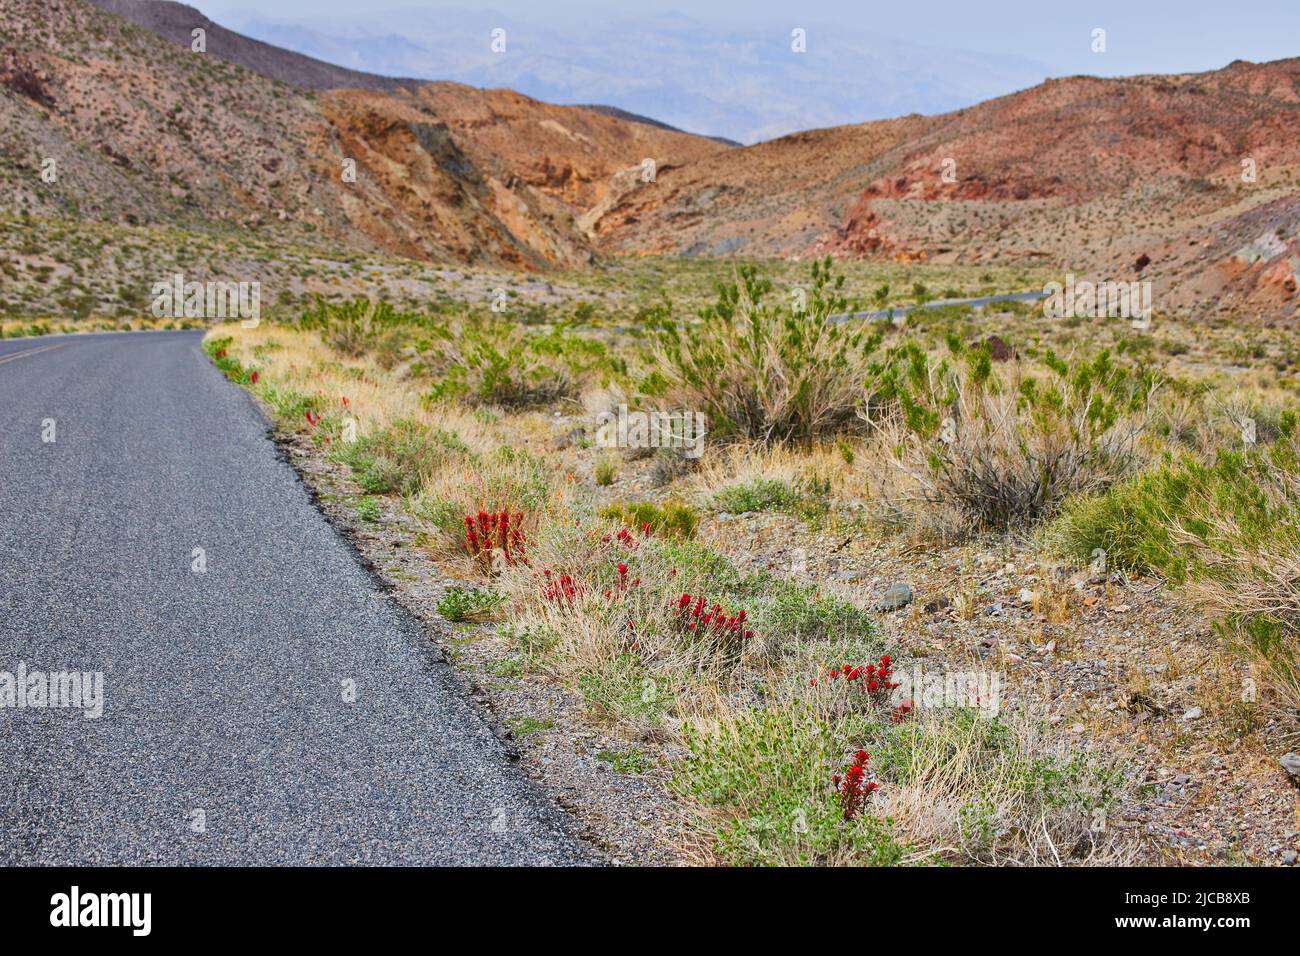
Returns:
(673,517)
(458,604)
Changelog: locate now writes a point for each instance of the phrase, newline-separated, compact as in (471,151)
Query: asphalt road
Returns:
(227,735)
(900,310)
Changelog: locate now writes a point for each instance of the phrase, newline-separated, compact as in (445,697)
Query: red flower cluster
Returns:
(312,419)
(562,589)
(854,786)
(874,680)
(700,618)
(493,533)
(623,583)
(626,538)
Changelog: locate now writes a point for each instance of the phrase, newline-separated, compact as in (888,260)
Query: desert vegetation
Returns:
(768,698)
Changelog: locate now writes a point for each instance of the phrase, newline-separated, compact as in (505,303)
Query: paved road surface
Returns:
(900,310)
(223,690)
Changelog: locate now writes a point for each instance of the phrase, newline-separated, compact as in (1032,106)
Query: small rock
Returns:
(899,595)
(1291,764)
(941,603)
(1289,858)
(569,439)
(848,574)
(1193,713)
(1027,596)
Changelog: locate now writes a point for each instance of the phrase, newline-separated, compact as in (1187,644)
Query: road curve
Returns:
(227,735)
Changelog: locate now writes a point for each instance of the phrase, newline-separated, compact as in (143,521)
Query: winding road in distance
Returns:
(227,735)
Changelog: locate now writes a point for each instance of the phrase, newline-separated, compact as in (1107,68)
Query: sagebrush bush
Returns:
(766,372)
(1003,446)
(399,457)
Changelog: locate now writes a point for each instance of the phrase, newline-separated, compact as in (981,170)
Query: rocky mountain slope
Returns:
(1189,181)
(141,129)
(1085,173)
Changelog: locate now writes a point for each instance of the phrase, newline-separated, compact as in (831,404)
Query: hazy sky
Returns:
(1143,36)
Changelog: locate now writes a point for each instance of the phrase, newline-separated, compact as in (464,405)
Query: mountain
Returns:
(144,130)
(738,78)
(1085,173)
(177,21)
(1190,181)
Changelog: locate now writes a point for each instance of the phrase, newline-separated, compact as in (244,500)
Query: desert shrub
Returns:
(759,494)
(611,593)
(355,327)
(1002,447)
(672,463)
(399,457)
(983,790)
(759,371)
(494,361)
(806,495)
(1126,527)
(673,518)
(942,786)
(764,779)
(622,689)
(606,470)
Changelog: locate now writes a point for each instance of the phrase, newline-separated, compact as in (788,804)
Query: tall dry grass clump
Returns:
(1000,448)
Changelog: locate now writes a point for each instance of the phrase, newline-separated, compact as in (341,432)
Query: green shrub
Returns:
(355,327)
(1003,447)
(765,778)
(759,494)
(759,371)
(458,604)
(399,457)
(673,517)
(1228,530)
(624,689)
(606,470)
(1165,519)
(498,362)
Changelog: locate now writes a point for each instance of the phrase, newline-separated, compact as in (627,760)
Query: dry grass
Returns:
(963,799)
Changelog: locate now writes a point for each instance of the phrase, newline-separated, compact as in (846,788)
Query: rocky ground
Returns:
(1122,663)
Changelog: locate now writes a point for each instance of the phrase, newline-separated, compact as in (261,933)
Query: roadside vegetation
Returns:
(612,570)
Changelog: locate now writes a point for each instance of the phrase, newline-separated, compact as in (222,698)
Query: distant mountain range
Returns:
(737,80)
(1190,181)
